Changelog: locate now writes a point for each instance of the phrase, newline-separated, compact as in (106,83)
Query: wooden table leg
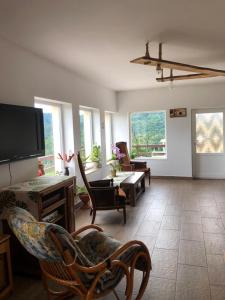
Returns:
(143,184)
(133,195)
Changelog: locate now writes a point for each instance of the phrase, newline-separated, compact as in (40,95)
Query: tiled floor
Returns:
(183,224)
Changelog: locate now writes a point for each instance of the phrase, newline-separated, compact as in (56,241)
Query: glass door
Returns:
(208,143)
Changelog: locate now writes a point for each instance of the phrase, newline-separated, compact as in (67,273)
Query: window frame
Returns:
(111,134)
(82,108)
(58,105)
(164,157)
(90,166)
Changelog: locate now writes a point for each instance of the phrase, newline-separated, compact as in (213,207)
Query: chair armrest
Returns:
(101,183)
(92,226)
(126,167)
(125,247)
(139,164)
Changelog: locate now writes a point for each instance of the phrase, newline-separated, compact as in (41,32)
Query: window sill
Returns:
(150,158)
(91,170)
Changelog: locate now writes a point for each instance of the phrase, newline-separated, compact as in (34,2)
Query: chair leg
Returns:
(143,285)
(124,215)
(93,217)
(91,211)
(149,178)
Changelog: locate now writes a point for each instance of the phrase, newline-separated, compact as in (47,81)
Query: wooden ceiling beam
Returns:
(151,61)
(183,77)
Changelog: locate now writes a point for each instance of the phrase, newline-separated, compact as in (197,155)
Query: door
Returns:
(208,159)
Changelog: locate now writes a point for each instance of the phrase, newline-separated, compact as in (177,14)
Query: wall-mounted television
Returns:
(21,133)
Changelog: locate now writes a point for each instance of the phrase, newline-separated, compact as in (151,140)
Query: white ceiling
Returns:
(98,38)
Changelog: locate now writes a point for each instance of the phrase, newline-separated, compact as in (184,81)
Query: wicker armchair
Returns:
(103,195)
(132,165)
(89,266)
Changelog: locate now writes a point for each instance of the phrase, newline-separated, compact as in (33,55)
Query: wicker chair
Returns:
(89,266)
(103,195)
(132,165)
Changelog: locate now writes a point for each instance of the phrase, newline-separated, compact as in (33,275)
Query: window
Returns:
(53,136)
(108,135)
(209,132)
(90,133)
(148,134)
(86,134)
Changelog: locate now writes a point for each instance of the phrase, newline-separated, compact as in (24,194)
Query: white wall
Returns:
(179,161)
(24,76)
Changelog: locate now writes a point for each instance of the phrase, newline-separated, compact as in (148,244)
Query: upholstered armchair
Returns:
(103,195)
(132,165)
(89,266)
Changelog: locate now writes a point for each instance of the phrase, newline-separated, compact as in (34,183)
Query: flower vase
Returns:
(113,173)
(66,171)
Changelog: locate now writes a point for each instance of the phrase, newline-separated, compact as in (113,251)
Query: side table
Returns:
(6,282)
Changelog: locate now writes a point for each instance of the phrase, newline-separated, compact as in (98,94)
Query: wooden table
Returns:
(6,282)
(134,186)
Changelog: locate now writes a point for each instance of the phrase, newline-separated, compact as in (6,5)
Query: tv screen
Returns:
(21,133)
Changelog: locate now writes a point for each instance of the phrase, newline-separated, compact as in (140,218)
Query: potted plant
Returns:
(84,159)
(115,160)
(82,193)
(96,155)
(133,154)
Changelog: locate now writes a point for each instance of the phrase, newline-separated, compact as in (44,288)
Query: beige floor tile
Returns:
(212,225)
(207,201)
(192,232)
(185,293)
(221,206)
(214,243)
(158,204)
(168,239)
(173,210)
(217,292)
(160,289)
(210,212)
(192,253)
(191,217)
(155,214)
(222,215)
(171,222)
(164,263)
(216,269)
(192,283)
(148,228)
(191,205)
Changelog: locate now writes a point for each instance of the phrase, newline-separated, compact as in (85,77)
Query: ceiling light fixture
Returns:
(160,64)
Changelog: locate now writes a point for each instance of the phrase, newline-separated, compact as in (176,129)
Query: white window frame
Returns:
(110,115)
(90,166)
(91,129)
(60,137)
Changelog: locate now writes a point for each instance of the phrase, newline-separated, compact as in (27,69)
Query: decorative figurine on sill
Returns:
(66,159)
(41,170)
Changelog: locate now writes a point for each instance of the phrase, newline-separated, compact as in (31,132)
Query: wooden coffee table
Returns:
(134,186)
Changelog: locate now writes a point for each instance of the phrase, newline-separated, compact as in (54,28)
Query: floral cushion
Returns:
(32,234)
(98,246)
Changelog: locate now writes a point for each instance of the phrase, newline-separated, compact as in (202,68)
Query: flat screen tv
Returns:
(21,133)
